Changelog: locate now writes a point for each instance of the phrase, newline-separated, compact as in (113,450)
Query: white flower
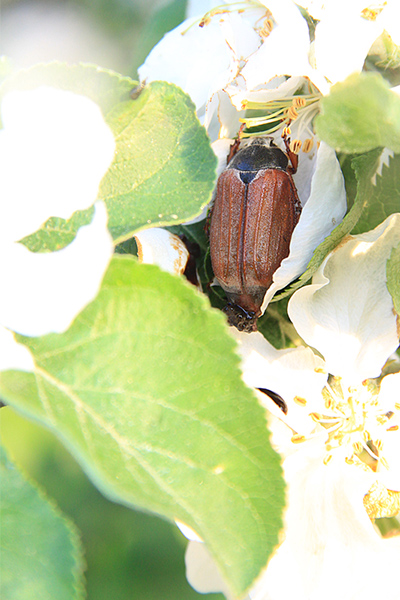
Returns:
(340,436)
(55,148)
(240,53)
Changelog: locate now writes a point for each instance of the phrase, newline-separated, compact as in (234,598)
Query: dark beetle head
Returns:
(243,320)
(259,154)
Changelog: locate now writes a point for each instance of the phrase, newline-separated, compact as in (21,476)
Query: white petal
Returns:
(347,313)
(277,88)
(12,354)
(221,117)
(292,373)
(160,247)
(201,571)
(342,42)
(331,548)
(54,149)
(43,293)
(198,59)
(323,211)
(276,57)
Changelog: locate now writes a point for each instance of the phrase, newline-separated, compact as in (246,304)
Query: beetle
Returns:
(255,211)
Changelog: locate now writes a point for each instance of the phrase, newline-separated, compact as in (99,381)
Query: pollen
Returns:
(371,13)
(266,29)
(286,132)
(316,417)
(380,502)
(291,113)
(295,146)
(298,102)
(297,438)
(393,428)
(299,400)
(308,144)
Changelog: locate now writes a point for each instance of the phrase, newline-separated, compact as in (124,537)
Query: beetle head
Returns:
(258,154)
(240,318)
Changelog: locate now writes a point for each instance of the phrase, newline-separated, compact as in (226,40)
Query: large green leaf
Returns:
(145,389)
(163,171)
(41,553)
(360,114)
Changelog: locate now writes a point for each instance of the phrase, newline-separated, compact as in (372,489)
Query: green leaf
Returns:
(392,274)
(385,197)
(57,233)
(364,167)
(41,552)
(164,169)
(145,390)
(163,172)
(359,114)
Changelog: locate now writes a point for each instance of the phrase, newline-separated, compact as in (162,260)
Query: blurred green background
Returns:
(129,555)
(115,34)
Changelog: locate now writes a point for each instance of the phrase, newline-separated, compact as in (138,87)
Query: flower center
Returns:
(357,426)
(268,117)
(355,421)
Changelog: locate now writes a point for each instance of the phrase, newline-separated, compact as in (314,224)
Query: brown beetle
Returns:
(255,211)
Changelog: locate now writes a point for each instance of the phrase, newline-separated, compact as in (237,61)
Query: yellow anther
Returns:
(393,428)
(349,460)
(308,144)
(266,29)
(319,370)
(327,459)
(316,417)
(206,20)
(292,113)
(286,132)
(357,447)
(371,14)
(298,102)
(299,400)
(378,445)
(366,436)
(297,438)
(397,405)
(295,146)
(328,402)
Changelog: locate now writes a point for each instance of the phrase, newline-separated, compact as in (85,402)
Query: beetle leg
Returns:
(294,159)
(235,146)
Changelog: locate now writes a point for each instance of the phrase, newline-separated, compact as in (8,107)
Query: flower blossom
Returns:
(338,432)
(55,148)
